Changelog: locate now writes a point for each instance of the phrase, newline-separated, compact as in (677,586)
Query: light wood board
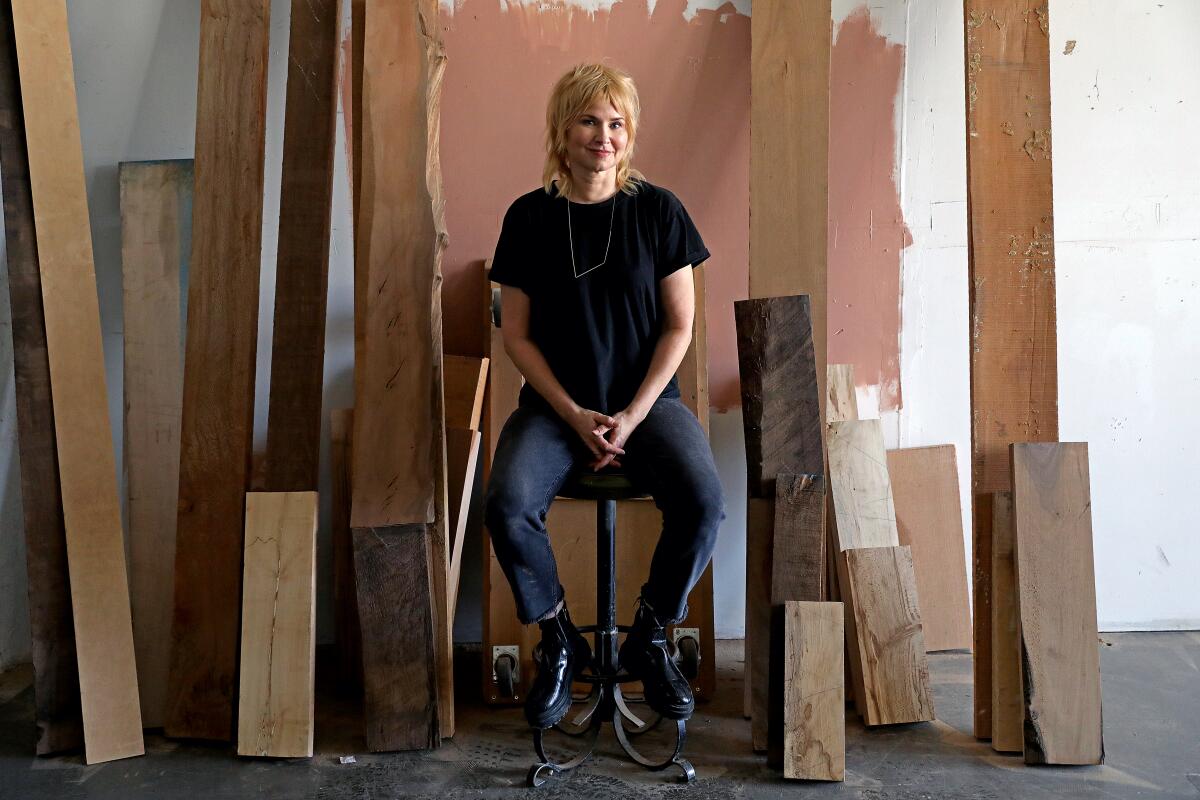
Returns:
(278,653)
(841,399)
(112,725)
(1008,706)
(859,483)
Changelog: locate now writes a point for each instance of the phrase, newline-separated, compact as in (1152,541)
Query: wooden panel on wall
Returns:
(301,276)
(895,671)
(112,725)
(1007,701)
(219,365)
(1056,578)
(981,588)
(798,545)
(156,228)
(859,483)
(275,689)
(52,637)
(929,520)
(808,716)
(345,601)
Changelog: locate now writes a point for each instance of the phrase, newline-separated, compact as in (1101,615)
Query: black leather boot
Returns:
(647,656)
(562,654)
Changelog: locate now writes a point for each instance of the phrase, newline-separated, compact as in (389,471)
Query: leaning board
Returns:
(859,483)
(1007,703)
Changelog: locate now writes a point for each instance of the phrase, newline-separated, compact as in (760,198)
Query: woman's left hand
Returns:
(626,422)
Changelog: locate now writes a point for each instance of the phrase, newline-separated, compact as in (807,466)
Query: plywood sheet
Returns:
(859,483)
(112,725)
(929,520)
(275,690)
(1007,701)
(1056,580)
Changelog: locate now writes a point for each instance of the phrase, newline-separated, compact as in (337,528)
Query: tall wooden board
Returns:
(462,457)
(841,399)
(808,718)
(895,671)
(275,689)
(345,600)
(841,404)
(466,378)
(1007,701)
(156,227)
(55,672)
(859,483)
(929,520)
(981,589)
(1056,593)
(760,542)
(112,725)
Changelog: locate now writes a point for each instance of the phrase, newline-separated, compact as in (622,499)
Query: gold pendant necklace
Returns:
(571,238)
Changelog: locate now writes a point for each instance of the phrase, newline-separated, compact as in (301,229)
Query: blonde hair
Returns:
(574,94)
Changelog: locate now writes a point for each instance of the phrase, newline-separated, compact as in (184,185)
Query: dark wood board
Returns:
(798,544)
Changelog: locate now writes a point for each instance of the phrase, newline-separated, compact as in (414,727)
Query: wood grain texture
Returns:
(396,609)
(891,647)
(57,713)
(781,408)
(841,401)
(462,458)
(466,379)
(808,716)
(798,544)
(156,227)
(219,365)
(301,275)
(112,726)
(345,599)
(760,542)
(279,615)
(789,158)
(929,520)
(1056,577)
(981,588)
(859,483)
(352,110)
(1008,706)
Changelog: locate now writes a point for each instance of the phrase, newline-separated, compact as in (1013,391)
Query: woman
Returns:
(597,303)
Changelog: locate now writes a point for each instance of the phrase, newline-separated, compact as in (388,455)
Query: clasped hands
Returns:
(605,436)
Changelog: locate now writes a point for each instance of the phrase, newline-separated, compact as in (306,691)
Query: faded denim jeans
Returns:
(666,456)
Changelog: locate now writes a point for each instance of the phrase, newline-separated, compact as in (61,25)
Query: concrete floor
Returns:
(1151,721)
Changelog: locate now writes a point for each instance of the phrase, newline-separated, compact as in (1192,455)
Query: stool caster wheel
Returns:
(688,657)
(506,669)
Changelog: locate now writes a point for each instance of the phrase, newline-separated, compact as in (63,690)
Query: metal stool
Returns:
(605,703)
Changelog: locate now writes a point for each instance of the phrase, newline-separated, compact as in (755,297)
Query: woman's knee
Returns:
(505,505)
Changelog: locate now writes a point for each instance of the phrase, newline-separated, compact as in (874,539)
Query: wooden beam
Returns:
(345,600)
(1056,579)
(156,226)
(219,364)
(981,588)
(798,544)
(52,637)
(466,379)
(112,726)
(1007,701)
(861,488)
(760,543)
(275,700)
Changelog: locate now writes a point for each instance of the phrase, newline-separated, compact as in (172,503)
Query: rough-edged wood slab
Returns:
(929,520)
(345,601)
(219,365)
(395,606)
(981,589)
(859,483)
(1056,578)
(1008,706)
(278,655)
(301,275)
(466,379)
(156,228)
(760,536)
(798,544)
(780,397)
(807,729)
(112,726)
(895,671)
(55,672)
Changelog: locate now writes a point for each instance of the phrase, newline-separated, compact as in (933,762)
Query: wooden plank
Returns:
(693,370)
(353,111)
(808,716)
(219,364)
(301,275)
(462,457)
(895,671)
(760,536)
(798,548)
(466,379)
(841,401)
(929,520)
(1007,701)
(345,600)
(156,226)
(841,404)
(52,639)
(789,156)
(981,588)
(780,400)
(112,725)
(279,614)
(395,605)
(1056,594)
(861,489)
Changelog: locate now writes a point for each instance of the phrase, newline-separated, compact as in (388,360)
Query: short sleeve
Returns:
(510,262)
(679,243)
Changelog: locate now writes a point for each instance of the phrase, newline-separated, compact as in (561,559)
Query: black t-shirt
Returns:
(597,331)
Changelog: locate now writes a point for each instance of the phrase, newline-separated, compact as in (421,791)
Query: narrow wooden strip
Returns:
(466,378)
(156,227)
(798,548)
(929,520)
(842,400)
(462,457)
(1056,579)
(275,699)
(808,717)
(981,587)
(891,646)
(345,600)
(301,275)
(861,489)
(760,535)
(112,726)
(56,675)
(841,404)
(219,365)
(693,370)
(1007,700)
(395,605)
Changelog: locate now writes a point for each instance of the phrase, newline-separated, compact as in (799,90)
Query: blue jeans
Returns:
(666,456)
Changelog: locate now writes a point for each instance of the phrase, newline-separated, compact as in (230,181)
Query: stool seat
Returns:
(607,484)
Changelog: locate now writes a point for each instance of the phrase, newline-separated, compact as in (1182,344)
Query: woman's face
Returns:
(597,140)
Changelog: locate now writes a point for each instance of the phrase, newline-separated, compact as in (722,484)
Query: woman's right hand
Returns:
(592,427)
